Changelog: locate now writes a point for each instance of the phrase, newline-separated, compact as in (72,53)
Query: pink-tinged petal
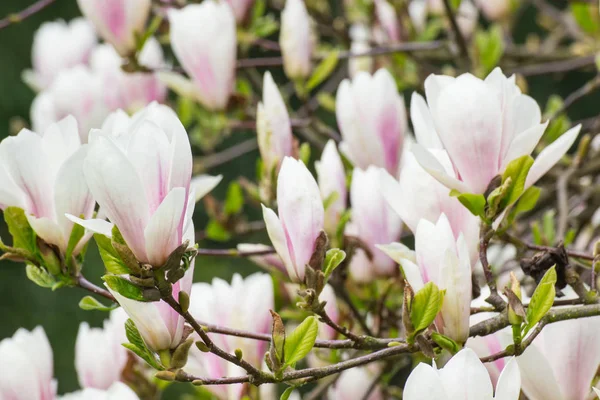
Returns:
(456,280)
(537,378)
(465,377)
(386,16)
(524,143)
(267,261)
(179,84)
(148,152)
(573,352)
(117,188)
(148,320)
(432,240)
(430,164)
(279,241)
(100,226)
(331,308)
(551,155)
(527,113)
(300,210)
(26,162)
(203,184)
(423,123)
(509,383)
(468,119)
(434,84)
(162,234)
(332,179)
(424,383)
(71,192)
(203,37)
(413,274)
(296,39)
(48,230)
(10,193)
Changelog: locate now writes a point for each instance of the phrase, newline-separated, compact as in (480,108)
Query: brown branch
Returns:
(338,328)
(235,252)
(554,67)
(583,91)
(24,14)
(225,156)
(485,235)
(458,36)
(90,287)
(571,253)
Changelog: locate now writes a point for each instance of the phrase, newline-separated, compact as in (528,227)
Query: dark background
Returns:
(23,304)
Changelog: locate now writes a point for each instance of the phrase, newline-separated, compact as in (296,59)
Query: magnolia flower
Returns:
(467,17)
(28,370)
(562,361)
(494,10)
(296,39)
(57,46)
(240,8)
(484,125)
(445,261)
(360,36)
(301,216)
(273,126)
(203,37)
(42,174)
(75,91)
(243,303)
(353,384)
(332,183)
(118,391)
(139,171)
(463,377)
(99,355)
(417,195)
(386,16)
(119,22)
(374,222)
(129,91)
(372,119)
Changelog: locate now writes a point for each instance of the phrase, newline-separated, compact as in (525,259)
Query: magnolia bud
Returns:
(296,39)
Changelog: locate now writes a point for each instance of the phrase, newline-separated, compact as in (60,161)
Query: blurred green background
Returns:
(23,304)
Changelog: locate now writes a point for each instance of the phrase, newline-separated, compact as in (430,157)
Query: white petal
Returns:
(203,184)
(423,123)
(465,377)
(179,84)
(424,383)
(100,226)
(551,155)
(435,169)
(524,143)
(509,382)
(162,232)
(48,230)
(279,241)
(537,378)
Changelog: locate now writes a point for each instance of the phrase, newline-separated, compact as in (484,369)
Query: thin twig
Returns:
(460,39)
(235,252)
(223,157)
(485,235)
(90,287)
(554,67)
(338,328)
(571,253)
(25,13)
(583,91)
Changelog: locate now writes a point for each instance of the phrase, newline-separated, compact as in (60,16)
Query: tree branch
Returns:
(24,14)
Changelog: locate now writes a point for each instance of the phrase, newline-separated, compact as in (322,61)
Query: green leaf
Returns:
(304,155)
(299,343)
(490,48)
(40,276)
(287,392)
(154,25)
(455,4)
(124,287)
(264,26)
(138,346)
(536,233)
(548,227)
(234,201)
(333,258)
(586,16)
(517,171)
(425,306)
(542,299)
(216,231)
(344,219)
(149,358)
(475,203)
(445,342)
(110,257)
(327,101)
(570,237)
(333,196)
(323,70)
(528,200)
(559,124)
(76,235)
(89,303)
(18,226)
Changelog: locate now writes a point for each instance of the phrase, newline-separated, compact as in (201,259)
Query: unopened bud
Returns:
(238,354)
(165,375)
(202,347)
(180,355)
(516,311)
(51,260)
(184,301)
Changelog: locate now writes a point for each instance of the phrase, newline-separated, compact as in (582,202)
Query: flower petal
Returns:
(423,123)
(424,383)
(100,226)
(48,230)
(203,184)
(430,164)
(509,382)
(279,241)
(465,377)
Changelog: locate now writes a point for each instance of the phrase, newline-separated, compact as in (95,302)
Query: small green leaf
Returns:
(344,219)
(149,358)
(277,337)
(333,258)
(490,47)
(329,200)
(234,201)
(287,393)
(304,155)
(586,16)
(570,237)
(517,171)
(124,287)
(536,233)
(528,200)
(327,101)
(475,203)
(455,4)
(40,276)
(542,299)
(548,227)
(76,235)
(323,70)
(445,342)
(110,257)
(299,343)
(23,236)
(216,231)
(90,303)
(425,306)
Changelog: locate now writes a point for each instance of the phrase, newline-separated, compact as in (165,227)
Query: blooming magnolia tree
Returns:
(448,251)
